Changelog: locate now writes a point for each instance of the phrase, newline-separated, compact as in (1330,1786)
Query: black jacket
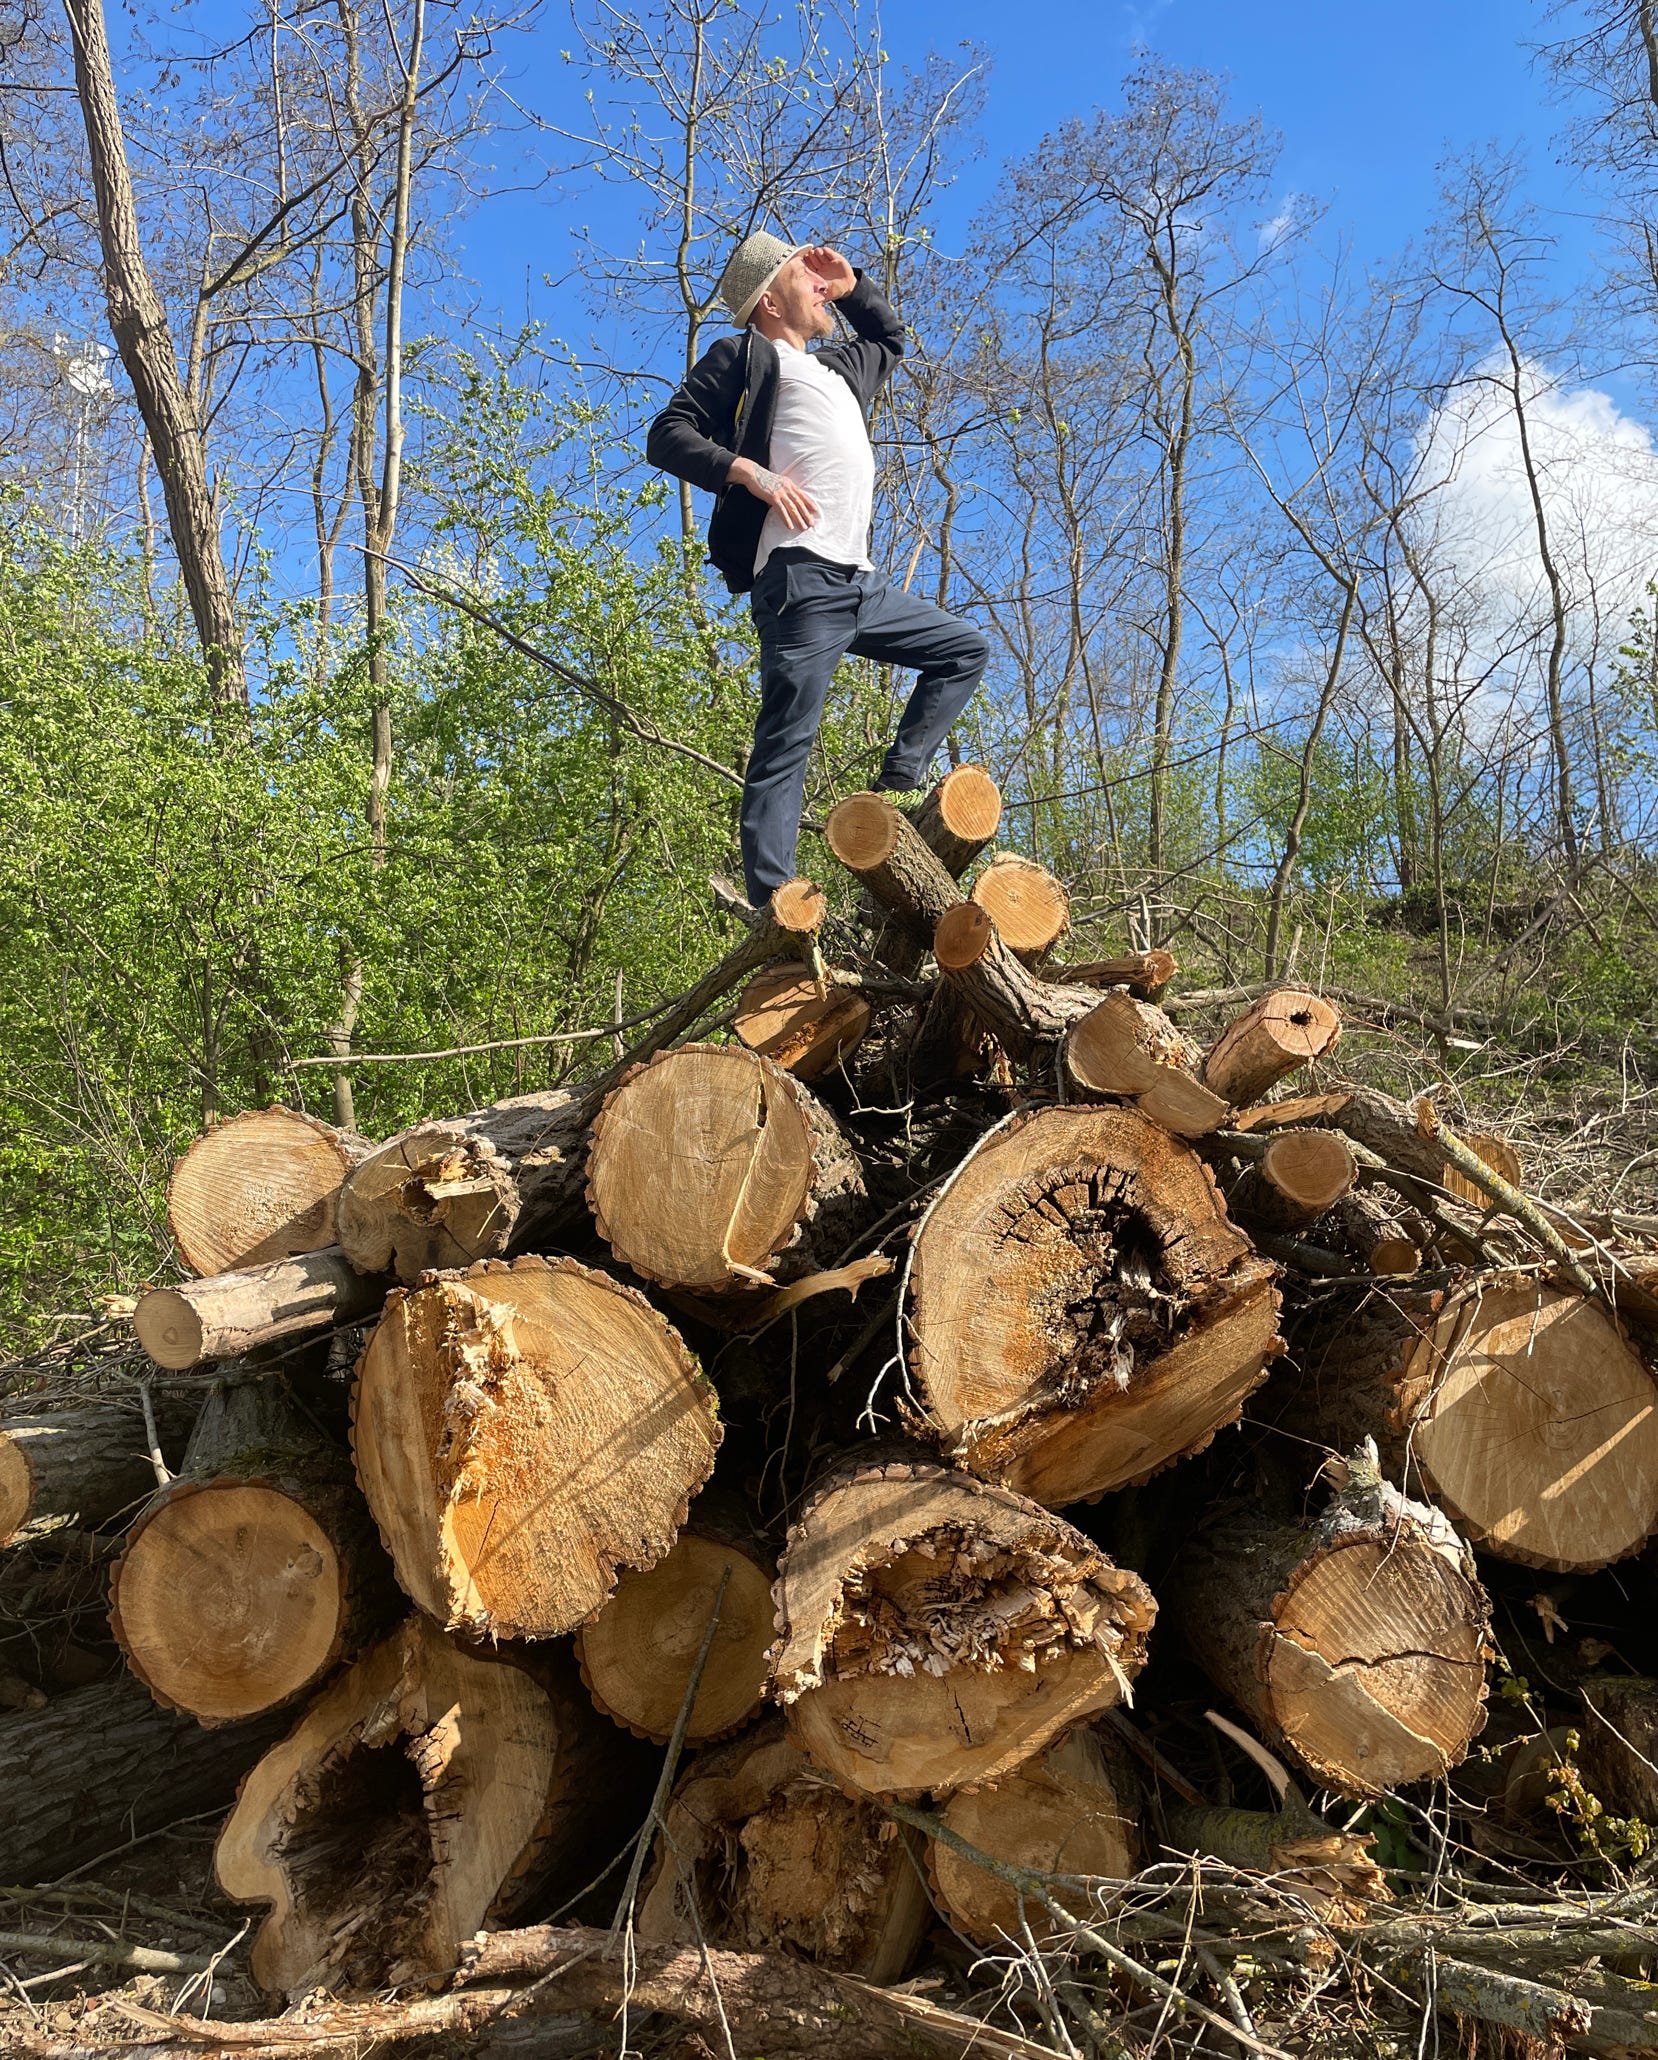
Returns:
(725,408)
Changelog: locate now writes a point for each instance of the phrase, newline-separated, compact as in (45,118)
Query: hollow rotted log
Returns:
(523,1432)
(1357,1641)
(1073,1810)
(1129,1049)
(636,1655)
(936,1632)
(1273,1037)
(227,1314)
(1029,907)
(105,1764)
(255,1570)
(1082,1312)
(89,1461)
(759,1852)
(1515,1405)
(765,1187)
(426,1792)
(259,1187)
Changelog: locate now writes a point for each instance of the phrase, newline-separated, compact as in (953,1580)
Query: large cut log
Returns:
(1129,1049)
(1274,1036)
(256,1570)
(1081,1311)
(760,1852)
(259,1187)
(523,1432)
(426,1792)
(879,844)
(636,1655)
(103,1765)
(1072,1811)
(1299,1175)
(228,1314)
(935,1632)
(451,1192)
(764,1186)
(1515,1405)
(1389,1128)
(785,1015)
(1029,907)
(959,817)
(87,1463)
(1357,1641)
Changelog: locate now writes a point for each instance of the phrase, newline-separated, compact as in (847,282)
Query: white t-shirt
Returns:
(819,440)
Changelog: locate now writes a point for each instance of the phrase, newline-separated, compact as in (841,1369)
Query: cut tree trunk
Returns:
(1300,1175)
(426,1792)
(1515,1405)
(1618,1752)
(258,1188)
(1357,1641)
(522,1433)
(231,1313)
(959,817)
(1029,1015)
(1129,1049)
(878,844)
(1385,1237)
(1144,973)
(1029,907)
(86,1463)
(1273,1037)
(764,1187)
(1074,1810)
(784,1015)
(256,1571)
(1082,1313)
(103,1765)
(760,1852)
(935,1632)
(636,1655)
(1382,1125)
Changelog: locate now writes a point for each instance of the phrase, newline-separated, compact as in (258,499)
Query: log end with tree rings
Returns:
(1277,1034)
(962,936)
(959,816)
(436,1196)
(1029,907)
(231,1597)
(1082,1310)
(1309,1170)
(227,1314)
(705,1167)
(1534,1421)
(522,1433)
(760,1852)
(1073,1810)
(798,906)
(1129,1048)
(636,1655)
(863,831)
(258,1187)
(407,1806)
(785,1016)
(936,1632)
(1497,1153)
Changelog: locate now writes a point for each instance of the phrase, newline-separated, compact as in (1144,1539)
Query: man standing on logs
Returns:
(779,435)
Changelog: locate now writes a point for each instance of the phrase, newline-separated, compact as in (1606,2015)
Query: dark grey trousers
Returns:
(809,615)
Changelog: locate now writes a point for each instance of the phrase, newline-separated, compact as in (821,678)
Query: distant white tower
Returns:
(86,373)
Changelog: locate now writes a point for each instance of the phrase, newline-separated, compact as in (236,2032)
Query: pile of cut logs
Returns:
(787,1394)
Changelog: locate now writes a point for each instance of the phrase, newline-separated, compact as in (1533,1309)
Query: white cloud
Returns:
(1277,226)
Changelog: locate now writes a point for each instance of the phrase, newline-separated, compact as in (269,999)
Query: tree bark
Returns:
(89,1462)
(231,1313)
(426,1792)
(524,1432)
(1081,1311)
(257,1188)
(138,322)
(1273,1037)
(878,844)
(936,1632)
(255,1570)
(760,1853)
(1028,1015)
(1129,1049)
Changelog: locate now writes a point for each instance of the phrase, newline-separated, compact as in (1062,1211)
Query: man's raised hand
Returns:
(829,266)
(792,502)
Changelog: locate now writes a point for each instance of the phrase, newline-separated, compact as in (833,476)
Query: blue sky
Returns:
(1368,100)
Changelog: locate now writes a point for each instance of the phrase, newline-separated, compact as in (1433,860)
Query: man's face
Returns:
(801,299)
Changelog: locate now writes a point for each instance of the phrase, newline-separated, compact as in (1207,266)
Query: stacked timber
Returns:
(449,1610)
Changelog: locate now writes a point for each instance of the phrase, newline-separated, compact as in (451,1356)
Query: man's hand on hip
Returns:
(792,502)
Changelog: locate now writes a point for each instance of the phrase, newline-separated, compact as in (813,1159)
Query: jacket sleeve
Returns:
(683,438)
(879,334)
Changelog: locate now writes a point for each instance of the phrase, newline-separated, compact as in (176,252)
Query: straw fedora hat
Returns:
(751,268)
